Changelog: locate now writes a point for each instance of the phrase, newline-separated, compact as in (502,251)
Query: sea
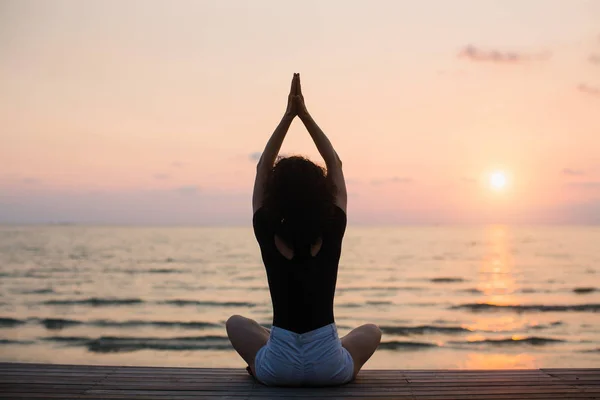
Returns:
(472,297)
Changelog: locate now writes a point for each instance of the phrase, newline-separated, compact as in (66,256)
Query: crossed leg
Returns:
(361,343)
(246,337)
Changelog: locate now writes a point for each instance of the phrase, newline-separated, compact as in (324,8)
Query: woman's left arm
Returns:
(269,155)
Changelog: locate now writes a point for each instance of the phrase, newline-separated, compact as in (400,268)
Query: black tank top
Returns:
(302,290)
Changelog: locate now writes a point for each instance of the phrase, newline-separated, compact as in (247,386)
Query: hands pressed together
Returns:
(296,106)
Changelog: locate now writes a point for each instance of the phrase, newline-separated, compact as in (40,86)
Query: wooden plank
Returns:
(385,397)
(357,386)
(94,397)
(62,379)
(194,385)
(352,395)
(572,372)
(22,381)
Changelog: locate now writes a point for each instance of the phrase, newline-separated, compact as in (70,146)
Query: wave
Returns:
(116,344)
(11,341)
(37,291)
(95,301)
(475,307)
(471,291)
(546,326)
(423,329)
(61,323)
(170,260)
(383,302)
(181,303)
(530,340)
(10,322)
(379,303)
(245,278)
(350,305)
(24,274)
(164,271)
(527,290)
(57,323)
(161,324)
(447,280)
(257,288)
(148,270)
(399,345)
(30,274)
(386,288)
(597,350)
(523,290)
(585,290)
(424,304)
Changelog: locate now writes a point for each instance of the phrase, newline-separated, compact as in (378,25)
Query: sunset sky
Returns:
(153,112)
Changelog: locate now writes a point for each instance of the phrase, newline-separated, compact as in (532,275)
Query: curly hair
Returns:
(300,200)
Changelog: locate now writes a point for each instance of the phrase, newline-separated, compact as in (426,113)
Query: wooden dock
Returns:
(50,381)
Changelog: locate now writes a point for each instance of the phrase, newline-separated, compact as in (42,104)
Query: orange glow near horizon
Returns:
(498,361)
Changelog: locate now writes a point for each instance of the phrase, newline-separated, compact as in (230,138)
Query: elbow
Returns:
(263,166)
(337,158)
(335,163)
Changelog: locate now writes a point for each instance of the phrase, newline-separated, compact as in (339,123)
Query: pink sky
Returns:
(148,112)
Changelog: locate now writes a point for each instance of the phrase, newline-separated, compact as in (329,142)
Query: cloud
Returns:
(30,181)
(190,190)
(502,57)
(353,181)
(587,213)
(255,156)
(594,59)
(178,164)
(572,172)
(394,179)
(401,180)
(590,185)
(161,176)
(469,180)
(592,90)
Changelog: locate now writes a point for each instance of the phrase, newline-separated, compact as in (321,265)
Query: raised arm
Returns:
(325,148)
(269,154)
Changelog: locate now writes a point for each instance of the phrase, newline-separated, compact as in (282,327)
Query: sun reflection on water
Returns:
(498,361)
(498,285)
(496,275)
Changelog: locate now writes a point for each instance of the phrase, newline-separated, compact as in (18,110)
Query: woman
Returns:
(299,222)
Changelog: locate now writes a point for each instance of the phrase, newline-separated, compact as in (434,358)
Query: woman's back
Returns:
(303,287)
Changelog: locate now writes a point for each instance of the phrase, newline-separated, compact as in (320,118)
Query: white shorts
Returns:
(314,358)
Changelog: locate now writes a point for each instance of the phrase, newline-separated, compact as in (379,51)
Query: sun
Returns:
(498,180)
